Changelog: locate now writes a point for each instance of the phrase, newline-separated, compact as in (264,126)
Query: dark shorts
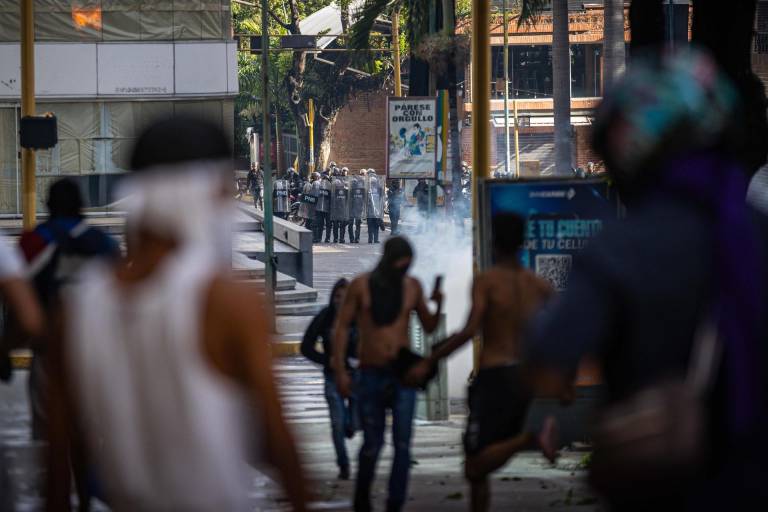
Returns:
(498,404)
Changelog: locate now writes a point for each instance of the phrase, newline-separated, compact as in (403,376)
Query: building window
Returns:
(120,20)
(530,71)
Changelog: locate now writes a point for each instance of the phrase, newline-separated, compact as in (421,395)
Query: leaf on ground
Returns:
(455,496)
(586,501)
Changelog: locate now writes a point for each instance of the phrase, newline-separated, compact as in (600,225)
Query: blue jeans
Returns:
(343,419)
(378,390)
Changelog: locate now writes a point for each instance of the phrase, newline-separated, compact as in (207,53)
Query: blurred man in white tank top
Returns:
(166,368)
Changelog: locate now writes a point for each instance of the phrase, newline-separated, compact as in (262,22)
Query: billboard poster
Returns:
(412,138)
(561,218)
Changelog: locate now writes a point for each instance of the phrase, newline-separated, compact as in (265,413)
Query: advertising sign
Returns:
(562,216)
(412,138)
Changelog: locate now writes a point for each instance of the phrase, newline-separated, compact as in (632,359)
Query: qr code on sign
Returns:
(554,268)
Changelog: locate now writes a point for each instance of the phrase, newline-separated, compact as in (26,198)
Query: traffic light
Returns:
(38,132)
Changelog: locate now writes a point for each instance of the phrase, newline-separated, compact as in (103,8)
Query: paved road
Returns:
(528,483)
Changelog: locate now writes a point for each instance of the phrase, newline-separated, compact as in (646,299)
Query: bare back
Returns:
(511,296)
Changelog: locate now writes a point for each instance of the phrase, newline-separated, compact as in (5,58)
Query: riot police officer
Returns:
(322,208)
(339,207)
(308,198)
(356,205)
(254,183)
(374,206)
(295,184)
(395,197)
(280,204)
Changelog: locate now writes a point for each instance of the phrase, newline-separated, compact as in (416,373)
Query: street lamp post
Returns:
(506,88)
(269,261)
(481,117)
(28,108)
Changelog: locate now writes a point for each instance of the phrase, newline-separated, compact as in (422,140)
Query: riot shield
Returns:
(308,201)
(281,197)
(356,197)
(374,197)
(324,196)
(339,199)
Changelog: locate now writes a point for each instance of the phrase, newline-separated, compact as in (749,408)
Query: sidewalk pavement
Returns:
(527,483)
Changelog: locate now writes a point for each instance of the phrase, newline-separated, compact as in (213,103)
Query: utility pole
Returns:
(269,252)
(506,88)
(517,139)
(481,118)
(28,108)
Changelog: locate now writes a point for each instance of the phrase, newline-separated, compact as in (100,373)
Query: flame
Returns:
(87,17)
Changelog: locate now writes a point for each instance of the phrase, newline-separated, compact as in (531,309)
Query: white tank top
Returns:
(166,430)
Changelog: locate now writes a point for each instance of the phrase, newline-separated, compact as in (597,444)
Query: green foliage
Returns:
(361,30)
(463,9)
(323,82)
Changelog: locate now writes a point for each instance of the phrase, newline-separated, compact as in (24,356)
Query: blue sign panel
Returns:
(562,216)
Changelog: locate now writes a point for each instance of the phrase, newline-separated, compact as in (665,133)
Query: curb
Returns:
(285,348)
(22,359)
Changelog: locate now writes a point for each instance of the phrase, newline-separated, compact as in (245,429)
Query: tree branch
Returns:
(286,26)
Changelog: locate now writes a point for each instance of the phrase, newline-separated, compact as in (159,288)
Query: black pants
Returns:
(257,201)
(394,218)
(322,222)
(354,230)
(308,224)
(373,230)
(339,227)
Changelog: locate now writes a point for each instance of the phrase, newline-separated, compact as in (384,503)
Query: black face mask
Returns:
(386,282)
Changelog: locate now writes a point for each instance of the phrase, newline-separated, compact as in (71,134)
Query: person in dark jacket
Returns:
(691,250)
(342,411)
(395,200)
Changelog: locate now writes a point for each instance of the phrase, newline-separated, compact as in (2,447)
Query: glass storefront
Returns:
(530,71)
(121,20)
(95,141)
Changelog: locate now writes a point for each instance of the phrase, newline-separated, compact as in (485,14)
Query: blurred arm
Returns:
(343,324)
(246,356)
(309,342)
(23,303)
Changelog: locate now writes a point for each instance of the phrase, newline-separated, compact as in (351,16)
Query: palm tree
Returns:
(561,76)
(614,53)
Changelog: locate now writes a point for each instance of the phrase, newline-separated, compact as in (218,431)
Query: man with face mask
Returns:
(161,365)
(380,304)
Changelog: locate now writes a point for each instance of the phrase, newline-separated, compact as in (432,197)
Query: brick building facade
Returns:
(359,137)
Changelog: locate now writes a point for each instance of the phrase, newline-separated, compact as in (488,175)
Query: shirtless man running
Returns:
(381,303)
(504,298)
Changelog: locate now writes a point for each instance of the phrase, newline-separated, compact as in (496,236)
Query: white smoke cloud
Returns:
(444,248)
